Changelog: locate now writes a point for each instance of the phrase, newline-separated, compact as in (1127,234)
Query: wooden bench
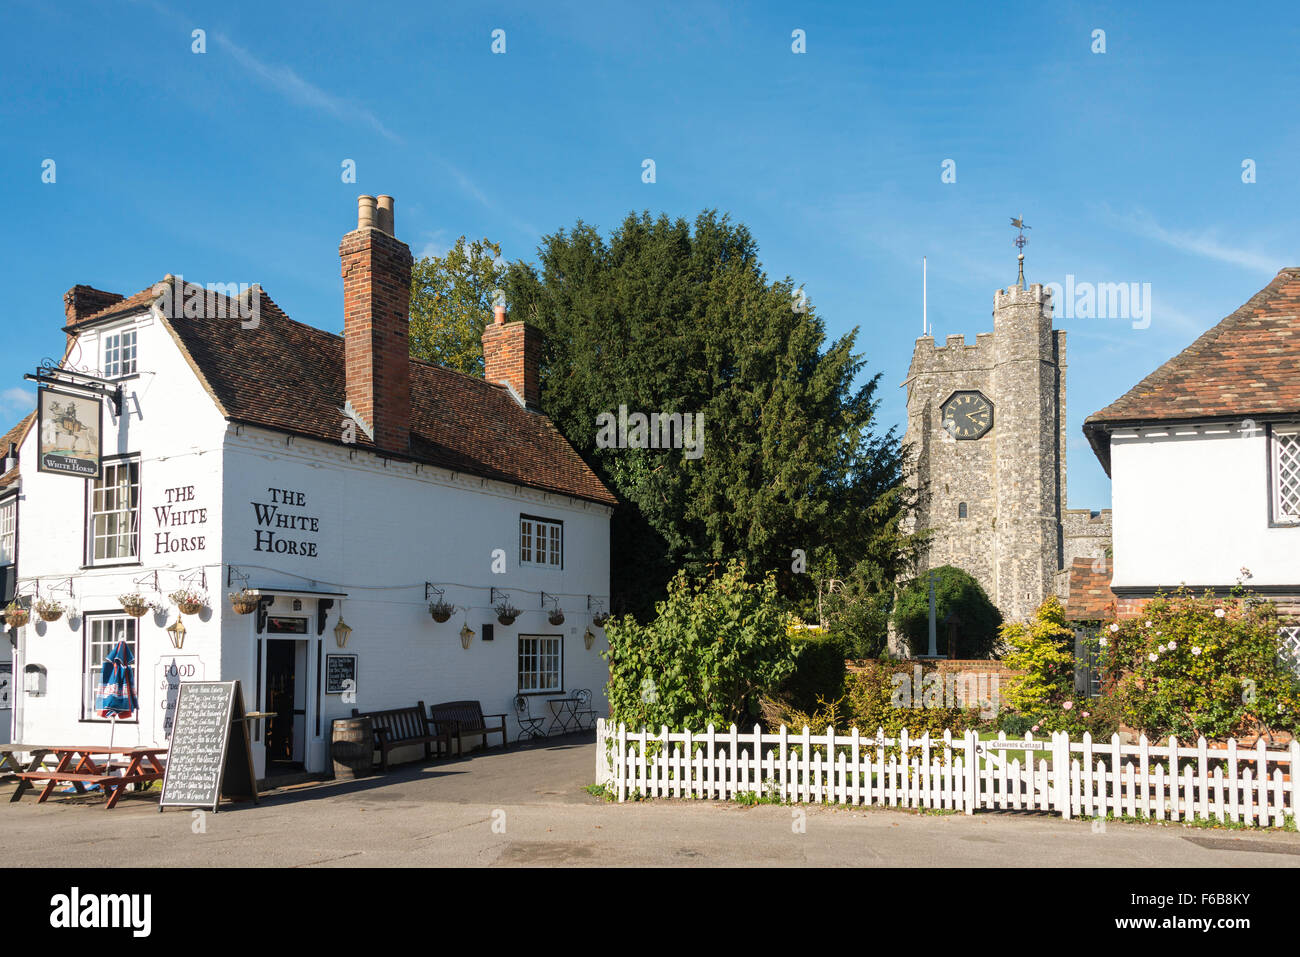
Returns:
(398,727)
(465,719)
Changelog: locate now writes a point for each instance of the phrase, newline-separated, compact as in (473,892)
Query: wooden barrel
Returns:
(352,747)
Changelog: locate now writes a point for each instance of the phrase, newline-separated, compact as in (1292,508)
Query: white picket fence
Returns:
(1173,782)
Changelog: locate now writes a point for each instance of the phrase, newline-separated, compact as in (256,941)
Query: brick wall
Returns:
(512,353)
(376,333)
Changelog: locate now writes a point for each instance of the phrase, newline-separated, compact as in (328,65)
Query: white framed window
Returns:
(541,663)
(114,514)
(1284,469)
(1290,645)
(541,542)
(119,354)
(102,633)
(8,528)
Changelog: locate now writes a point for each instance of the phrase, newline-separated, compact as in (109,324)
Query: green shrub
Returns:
(818,672)
(717,644)
(1193,666)
(954,592)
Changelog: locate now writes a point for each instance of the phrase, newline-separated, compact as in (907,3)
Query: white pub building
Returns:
(334,483)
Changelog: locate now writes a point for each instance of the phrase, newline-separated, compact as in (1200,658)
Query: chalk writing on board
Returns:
(198,744)
(340,669)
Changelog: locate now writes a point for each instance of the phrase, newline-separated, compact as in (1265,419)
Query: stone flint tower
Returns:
(985,429)
(1029,446)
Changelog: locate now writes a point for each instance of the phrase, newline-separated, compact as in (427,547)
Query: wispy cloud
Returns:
(15,402)
(1203,244)
(293,87)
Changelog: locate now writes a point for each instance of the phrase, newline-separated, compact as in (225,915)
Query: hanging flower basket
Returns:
(440,610)
(16,615)
(506,612)
(135,605)
(243,602)
(50,610)
(189,601)
(600,618)
(556,617)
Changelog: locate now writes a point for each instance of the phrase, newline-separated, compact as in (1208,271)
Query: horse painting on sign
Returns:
(69,434)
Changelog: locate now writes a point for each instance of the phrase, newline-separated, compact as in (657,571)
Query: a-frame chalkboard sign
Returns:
(211,756)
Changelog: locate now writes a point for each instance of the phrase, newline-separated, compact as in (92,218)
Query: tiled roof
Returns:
(1090,597)
(1247,365)
(287,376)
(16,436)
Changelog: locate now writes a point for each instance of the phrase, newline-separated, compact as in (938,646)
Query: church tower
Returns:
(986,433)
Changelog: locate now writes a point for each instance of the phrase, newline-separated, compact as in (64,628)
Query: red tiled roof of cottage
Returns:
(287,376)
(14,436)
(1248,364)
(1090,597)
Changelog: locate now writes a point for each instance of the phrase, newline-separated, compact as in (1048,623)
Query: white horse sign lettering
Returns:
(68,441)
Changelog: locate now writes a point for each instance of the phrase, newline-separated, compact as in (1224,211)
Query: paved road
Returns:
(527,807)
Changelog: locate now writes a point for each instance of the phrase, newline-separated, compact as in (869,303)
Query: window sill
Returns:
(135,564)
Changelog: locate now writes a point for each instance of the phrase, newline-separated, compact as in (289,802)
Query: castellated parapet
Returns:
(994,504)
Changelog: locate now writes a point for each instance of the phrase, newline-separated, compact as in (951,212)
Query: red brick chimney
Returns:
(82,301)
(376,321)
(512,354)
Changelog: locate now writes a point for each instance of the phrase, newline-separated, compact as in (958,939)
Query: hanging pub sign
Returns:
(70,439)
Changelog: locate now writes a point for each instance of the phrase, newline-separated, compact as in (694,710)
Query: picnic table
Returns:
(80,766)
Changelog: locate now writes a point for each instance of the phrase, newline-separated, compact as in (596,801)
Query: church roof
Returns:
(1246,366)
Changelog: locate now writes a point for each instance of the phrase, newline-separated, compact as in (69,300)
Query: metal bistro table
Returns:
(565,711)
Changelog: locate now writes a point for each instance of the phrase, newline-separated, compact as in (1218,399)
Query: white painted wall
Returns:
(381,532)
(178,432)
(1191,506)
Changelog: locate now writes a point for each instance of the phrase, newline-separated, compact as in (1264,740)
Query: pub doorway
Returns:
(286,699)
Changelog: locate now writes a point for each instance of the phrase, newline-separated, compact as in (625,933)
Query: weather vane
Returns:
(1020,240)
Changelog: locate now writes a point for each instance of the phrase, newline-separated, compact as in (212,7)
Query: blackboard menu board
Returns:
(210,753)
(340,669)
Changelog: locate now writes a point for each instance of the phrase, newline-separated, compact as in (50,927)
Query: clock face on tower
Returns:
(967,415)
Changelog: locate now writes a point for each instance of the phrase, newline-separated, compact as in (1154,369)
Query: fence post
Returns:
(620,766)
(1061,772)
(602,753)
(1295,780)
(971,783)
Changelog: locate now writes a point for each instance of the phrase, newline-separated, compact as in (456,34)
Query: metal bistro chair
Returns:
(528,725)
(582,708)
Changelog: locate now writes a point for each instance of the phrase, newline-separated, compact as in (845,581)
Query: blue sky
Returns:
(226,166)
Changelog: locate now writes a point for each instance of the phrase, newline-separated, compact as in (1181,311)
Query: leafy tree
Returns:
(957,592)
(715,646)
(1043,652)
(667,318)
(451,302)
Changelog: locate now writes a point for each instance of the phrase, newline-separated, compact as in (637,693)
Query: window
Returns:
(540,663)
(1290,635)
(102,633)
(961,510)
(119,354)
(8,523)
(1285,471)
(541,542)
(115,513)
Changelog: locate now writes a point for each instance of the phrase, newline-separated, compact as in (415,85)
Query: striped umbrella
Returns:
(115,697)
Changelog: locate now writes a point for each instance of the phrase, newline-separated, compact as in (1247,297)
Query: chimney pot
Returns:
(384,214)
(500,312)
(366,212)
